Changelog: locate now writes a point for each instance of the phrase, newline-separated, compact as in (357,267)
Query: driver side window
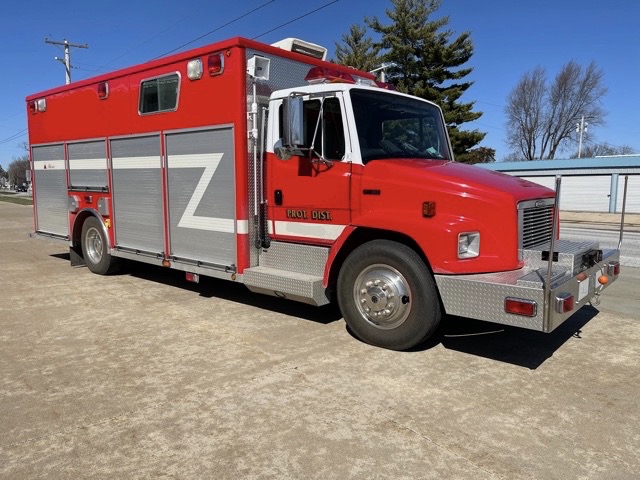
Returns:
(325,137)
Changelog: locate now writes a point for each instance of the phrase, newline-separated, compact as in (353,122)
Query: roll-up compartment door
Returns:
(137,193)
(51,198)
(88,165)
(201,195)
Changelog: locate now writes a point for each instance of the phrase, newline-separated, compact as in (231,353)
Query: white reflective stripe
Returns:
(87,164)
(49,165)
(270,227)
(122,163)
(194,160)
(210,162)
(242,227)
(308,230)
(225,225)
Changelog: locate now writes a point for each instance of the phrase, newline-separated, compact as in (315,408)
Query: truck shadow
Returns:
(503,343)
(234,292)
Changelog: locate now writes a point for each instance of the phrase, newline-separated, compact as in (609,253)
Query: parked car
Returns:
(22,188)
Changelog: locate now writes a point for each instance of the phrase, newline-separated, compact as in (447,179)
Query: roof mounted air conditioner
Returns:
(300,46)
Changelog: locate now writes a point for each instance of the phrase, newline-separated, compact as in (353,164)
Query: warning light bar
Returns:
(330,75)
(327,75)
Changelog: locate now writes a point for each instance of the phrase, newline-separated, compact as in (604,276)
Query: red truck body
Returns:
(188,162)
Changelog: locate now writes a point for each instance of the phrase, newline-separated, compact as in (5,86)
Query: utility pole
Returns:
(581,128)
(67,57)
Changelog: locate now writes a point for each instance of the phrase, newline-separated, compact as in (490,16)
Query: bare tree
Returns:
(541,119)
(17,170)
(604,150)
(525,113)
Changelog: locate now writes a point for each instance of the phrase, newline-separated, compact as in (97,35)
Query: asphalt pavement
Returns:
(142,375)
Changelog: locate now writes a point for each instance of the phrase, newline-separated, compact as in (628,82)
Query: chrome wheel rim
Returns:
(382,296)
(94,244)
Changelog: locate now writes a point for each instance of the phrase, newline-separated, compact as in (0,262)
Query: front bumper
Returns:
(483,296)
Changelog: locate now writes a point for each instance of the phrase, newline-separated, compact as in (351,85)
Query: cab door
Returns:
(308,194)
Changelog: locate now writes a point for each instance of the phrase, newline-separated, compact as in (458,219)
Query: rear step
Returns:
(296,286)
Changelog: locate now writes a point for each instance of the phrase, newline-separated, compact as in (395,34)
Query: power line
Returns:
(13,137)
(217,28)
(297,18)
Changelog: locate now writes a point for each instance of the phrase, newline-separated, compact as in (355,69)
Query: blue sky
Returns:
(510,38)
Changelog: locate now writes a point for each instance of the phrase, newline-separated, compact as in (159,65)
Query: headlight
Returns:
(468,245)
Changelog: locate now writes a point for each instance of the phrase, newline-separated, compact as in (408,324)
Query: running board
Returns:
(296,286)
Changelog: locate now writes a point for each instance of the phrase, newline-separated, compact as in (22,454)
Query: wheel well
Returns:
(77,226)
(364,235)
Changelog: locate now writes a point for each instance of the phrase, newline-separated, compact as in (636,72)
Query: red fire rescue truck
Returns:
(302,179)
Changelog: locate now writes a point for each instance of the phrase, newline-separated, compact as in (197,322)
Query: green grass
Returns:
(12,198)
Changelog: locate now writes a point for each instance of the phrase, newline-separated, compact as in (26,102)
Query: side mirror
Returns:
(292,112)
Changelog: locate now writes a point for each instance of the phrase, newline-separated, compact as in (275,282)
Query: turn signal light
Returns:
(520,306)
(565,302)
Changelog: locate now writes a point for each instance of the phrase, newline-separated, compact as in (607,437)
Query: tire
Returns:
(387,295)
(95,248)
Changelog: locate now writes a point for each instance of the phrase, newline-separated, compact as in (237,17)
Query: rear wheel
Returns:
(387,295)
(95,248)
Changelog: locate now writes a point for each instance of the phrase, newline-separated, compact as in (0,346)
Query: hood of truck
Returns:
(391,194)
(464,179)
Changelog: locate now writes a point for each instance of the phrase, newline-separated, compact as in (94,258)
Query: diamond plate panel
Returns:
(279,283)
(569,254)
(474,296)
(537,278)
(291,257)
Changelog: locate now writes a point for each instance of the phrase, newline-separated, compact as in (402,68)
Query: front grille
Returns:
(537,223)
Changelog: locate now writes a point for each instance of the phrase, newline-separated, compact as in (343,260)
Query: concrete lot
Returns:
(141,375)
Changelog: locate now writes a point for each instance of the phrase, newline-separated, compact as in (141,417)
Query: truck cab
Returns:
(369,173)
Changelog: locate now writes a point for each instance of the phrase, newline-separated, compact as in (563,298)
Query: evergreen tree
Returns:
(358,50)
(428,63)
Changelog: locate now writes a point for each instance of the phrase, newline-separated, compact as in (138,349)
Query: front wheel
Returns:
(387,295)
(95,248)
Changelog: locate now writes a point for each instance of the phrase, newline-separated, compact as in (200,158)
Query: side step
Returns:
(296,286)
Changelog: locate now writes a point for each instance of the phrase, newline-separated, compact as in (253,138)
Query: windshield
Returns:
(394,126)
